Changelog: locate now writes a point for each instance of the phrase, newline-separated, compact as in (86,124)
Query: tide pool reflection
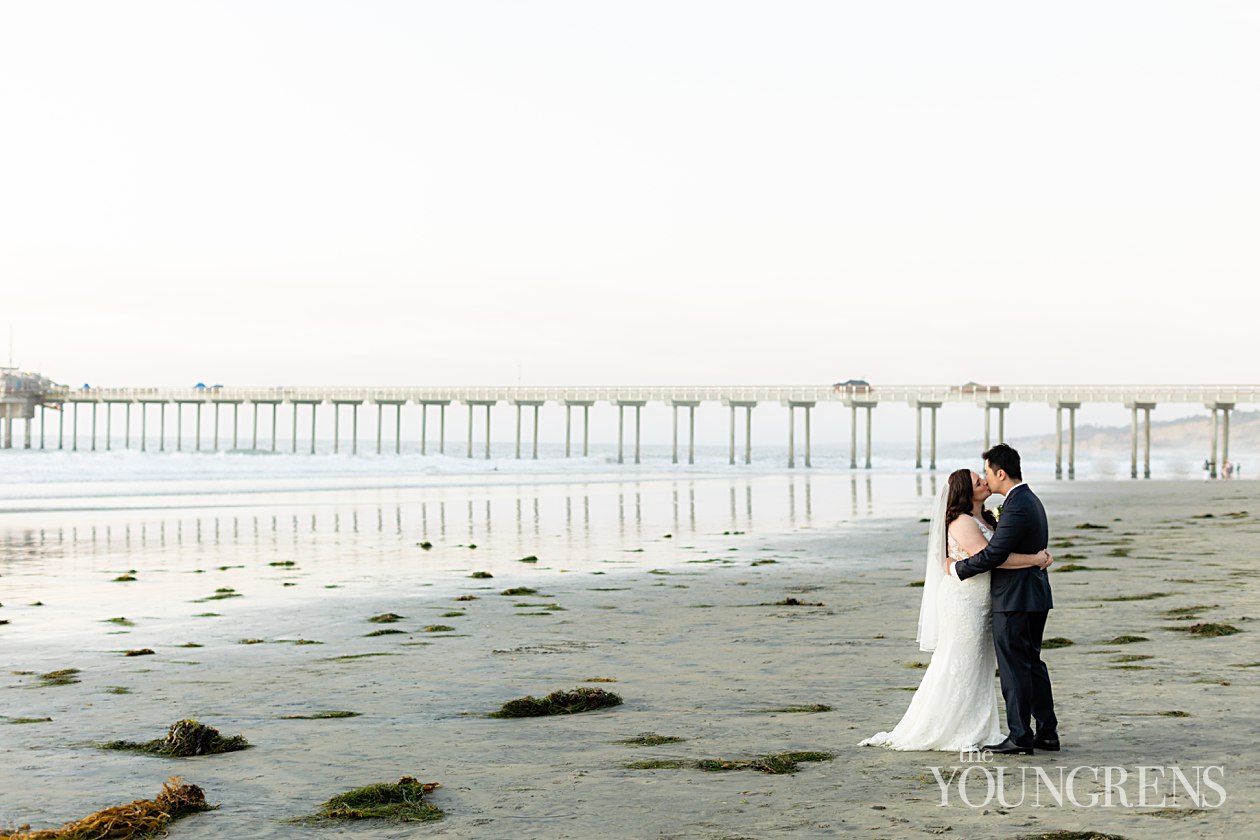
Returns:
(575,519)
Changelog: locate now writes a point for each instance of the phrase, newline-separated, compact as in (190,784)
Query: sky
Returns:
(416,193)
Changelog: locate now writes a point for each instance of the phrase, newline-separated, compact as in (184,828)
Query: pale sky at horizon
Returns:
(593,193)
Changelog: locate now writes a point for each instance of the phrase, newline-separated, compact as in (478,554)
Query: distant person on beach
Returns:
(955,706)
(1228,470)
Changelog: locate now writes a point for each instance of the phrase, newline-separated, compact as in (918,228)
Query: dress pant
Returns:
(1025,679)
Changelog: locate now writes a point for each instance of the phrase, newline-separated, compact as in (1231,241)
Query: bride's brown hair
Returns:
(961,497)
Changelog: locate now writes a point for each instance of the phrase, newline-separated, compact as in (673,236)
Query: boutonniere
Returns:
(997,512)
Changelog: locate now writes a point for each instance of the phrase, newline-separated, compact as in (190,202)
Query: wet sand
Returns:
(697,653)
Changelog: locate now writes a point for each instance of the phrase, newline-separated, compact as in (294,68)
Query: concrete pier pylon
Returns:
(690,405)
(748,406)
(1001,407)
(1058,406)
(1145,407)
(854,403)
(337,404)
(792,405)
(621,426)
(471,403)
(217,406)
(919,405)
(424,424)
(536,404)
(1220,423)
(380,420)
(297,404)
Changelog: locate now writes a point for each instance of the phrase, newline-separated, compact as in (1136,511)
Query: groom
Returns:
(1021,602)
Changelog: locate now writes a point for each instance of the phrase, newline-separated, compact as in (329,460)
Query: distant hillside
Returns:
(1187,433)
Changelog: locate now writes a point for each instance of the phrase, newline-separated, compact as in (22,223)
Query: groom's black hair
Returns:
(1003,457)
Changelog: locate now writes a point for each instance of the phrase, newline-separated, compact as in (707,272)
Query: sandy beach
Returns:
(691,633)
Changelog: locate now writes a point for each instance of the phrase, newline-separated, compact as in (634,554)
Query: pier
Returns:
(22,395)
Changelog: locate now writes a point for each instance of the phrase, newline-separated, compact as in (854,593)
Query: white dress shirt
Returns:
(953,567)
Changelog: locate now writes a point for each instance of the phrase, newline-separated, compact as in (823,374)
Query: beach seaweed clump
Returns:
(1126,640)
(559,703)
(519,590)
(66,676)
(142,818)
(775,763)
(808,709)
(481,575)
(650,739)
(327,715)
(402,801)
(793,602)
(184,738)
(139,652)
(1056,642)
(1209,630)
(220,594)
(385,618)
(1071,835)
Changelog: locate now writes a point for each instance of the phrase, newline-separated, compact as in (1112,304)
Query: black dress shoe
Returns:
(1047,744)
(1008,747)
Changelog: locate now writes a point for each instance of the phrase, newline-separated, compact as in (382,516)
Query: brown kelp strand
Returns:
(142,818)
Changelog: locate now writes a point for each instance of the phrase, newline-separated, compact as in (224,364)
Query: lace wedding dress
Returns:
(955,706)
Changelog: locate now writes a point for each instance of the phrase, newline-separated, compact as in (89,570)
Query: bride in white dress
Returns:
(955,707)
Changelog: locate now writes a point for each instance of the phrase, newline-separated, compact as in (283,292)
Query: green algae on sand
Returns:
(774,763)
(559,703)
(66,676)
(402,801)
(650,739)
(183,739)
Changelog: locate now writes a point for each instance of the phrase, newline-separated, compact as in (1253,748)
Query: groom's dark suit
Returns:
(1021,602)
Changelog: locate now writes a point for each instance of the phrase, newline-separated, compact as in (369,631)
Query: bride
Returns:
(955,706)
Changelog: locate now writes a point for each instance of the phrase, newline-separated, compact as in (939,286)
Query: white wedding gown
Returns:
(955,706)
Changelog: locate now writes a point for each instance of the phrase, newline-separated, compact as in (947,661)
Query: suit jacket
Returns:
(1022,529)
